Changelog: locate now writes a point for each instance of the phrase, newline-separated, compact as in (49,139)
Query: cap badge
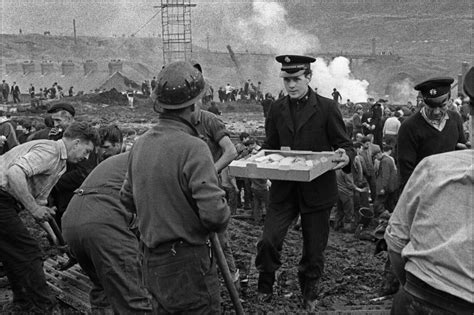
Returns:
(433,92)
(287,59)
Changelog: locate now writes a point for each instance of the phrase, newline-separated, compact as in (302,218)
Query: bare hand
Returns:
(55,131)
(342,159)
(43,213)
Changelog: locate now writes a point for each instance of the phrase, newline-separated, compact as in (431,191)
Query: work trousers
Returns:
(260,200)
(182,279)
(345,210)
(386,201)
(227,249)
(245,184)
(231,196)
(5,97)
(315,228)
(372,186)
(109,255)
(16,98)
(417,298)
(361,199)
(22,258)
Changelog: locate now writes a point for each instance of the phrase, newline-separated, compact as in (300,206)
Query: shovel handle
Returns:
(57,232)
(229,282)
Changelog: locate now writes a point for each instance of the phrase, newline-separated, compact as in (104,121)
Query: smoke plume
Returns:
(268,26)
(337,74)
(402,91)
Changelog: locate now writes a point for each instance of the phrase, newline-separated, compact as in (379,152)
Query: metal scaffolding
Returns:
(176,30)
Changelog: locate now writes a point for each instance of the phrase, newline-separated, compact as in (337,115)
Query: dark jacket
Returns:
(319,127)
(417,140)
(386,176)
(71,180)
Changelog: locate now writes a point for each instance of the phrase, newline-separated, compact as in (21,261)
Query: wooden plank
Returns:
(70,286)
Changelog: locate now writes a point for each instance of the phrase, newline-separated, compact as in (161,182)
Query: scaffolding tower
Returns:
(176,30)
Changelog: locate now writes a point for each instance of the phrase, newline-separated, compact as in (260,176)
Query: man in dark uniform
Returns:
(303,120)
(432,130)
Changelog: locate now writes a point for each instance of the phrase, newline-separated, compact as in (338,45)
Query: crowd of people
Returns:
(397,169)
(248,92)
(55,92)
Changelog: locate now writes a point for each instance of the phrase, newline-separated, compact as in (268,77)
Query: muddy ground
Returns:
(352,276)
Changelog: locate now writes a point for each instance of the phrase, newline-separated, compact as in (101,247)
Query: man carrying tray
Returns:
(302,120)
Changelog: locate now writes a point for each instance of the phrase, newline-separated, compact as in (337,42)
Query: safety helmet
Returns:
(179,85)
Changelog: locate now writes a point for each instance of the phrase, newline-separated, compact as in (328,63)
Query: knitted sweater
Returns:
(417,139)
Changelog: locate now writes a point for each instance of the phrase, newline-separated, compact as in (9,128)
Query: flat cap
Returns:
(294,65)
(62,106)
(435,87)
(468,85)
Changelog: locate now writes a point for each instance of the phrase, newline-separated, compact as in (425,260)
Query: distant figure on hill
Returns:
(130,98)
(5,89)
(15,93)
(153,83)
(228,92)
(71,91)
(336,96)
(31,90)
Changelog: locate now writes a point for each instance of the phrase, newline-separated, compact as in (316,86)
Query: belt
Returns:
(444,300)
(171,247)
(97,190)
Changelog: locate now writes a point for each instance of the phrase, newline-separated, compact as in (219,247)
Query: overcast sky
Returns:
(106,17)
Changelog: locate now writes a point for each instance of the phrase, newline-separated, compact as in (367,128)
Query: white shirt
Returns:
(391,126)
(432,225)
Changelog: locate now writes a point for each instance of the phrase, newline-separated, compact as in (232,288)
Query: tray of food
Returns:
(290,165)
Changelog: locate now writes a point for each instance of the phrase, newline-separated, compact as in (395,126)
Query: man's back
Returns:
(175,187)
(432,223)
(104,184)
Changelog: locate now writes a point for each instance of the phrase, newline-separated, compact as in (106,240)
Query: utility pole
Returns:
(74,26)
(207,39)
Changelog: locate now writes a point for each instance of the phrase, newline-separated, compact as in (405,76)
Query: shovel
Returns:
(229,282)
(63,247)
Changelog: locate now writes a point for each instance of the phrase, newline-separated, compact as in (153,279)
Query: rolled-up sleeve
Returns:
(41,159)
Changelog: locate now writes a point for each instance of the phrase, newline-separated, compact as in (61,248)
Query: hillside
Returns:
(431,37)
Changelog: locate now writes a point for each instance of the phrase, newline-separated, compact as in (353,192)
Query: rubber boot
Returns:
(310,295)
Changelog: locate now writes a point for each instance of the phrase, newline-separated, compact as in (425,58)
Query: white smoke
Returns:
(337,74)
(402,91)
(267,26)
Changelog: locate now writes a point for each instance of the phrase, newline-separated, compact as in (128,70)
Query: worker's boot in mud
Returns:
(310,295)
(265,286)
(301,282)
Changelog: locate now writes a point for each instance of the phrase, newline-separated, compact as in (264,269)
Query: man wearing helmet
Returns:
(172,185)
